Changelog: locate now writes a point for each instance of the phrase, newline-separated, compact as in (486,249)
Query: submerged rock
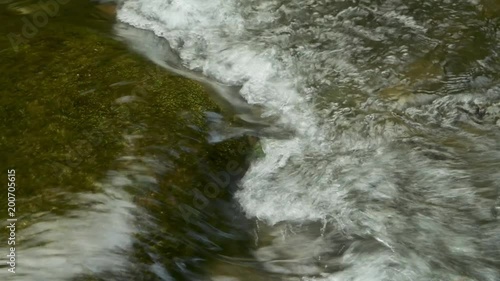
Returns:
(82,117)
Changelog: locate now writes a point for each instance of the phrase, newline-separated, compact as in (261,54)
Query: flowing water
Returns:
(392,171)
(379,123)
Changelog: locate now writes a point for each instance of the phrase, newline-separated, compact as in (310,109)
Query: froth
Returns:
(397,181)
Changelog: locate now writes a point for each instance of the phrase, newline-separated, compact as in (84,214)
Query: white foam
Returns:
(373,175)
(94,236)
(88,241)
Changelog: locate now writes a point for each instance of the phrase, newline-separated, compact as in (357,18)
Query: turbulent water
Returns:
(392,169)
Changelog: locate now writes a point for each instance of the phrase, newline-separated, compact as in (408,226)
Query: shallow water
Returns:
(379,123)
(392,168)
(117,174)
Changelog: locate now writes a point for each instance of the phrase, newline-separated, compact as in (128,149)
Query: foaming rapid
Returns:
(392,172)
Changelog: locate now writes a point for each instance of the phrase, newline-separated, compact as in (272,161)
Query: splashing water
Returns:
(393,170)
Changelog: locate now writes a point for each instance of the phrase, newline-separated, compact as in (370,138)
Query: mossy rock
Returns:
(70,94)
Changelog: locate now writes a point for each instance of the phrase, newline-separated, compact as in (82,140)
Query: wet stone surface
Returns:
(94,131)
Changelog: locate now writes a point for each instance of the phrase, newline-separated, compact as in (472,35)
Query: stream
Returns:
(253,140)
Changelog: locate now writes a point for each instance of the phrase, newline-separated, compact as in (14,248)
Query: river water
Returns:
(379,123)
(392,171)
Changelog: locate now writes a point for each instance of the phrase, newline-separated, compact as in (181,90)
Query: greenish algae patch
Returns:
(70,96)
(65,110)
(59,138)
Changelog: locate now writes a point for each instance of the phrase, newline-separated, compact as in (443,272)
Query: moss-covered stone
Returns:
(70,94)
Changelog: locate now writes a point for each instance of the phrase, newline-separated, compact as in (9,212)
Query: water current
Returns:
(392,169)
(374,126)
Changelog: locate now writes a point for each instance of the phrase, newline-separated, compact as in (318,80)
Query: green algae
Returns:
(69,94)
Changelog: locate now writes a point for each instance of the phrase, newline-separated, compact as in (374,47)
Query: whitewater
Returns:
(391,170)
